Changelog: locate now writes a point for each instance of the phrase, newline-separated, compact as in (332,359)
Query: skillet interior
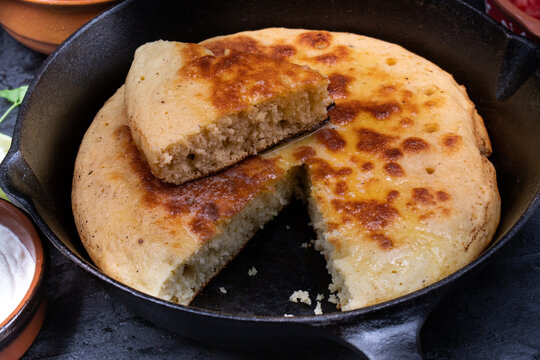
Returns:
(448,33)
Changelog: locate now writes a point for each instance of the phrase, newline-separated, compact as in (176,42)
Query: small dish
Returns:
(43,24)
(22,326)
(513,18)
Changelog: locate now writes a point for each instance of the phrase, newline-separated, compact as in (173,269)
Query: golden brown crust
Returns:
(139,229)
(193,113)
(398,176)
(206,200)
(238,80)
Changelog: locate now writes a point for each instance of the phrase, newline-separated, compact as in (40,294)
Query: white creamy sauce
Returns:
(17,267)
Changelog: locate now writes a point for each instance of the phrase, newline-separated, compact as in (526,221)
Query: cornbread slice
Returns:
(398,184)
(192,113)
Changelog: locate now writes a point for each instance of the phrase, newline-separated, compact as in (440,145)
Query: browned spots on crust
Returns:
(431,127)
(383,241)
(442,196)
(452,141)
(347,111)
(367,166)
(393,154)
(406,122)
(355,159)
(332,226)
(339,53)
(394,169)
(433,103)
(205,221)
(341,188)
(205,229)
(344,113)
(241,43)
(407,101)
(331,139)
(423,196)
(189,51)
(303,153)
(140,241)
(206,200)
(321,169)
(414,144)
(391,196)
(238,79)
(387,89)
(372,214)
(382,111)
(315,39)
(338,85)
(406,95)
(328,59)
(426,216)
(372,142)
(282,51)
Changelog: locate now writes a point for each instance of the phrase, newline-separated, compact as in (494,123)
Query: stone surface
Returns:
(495,315)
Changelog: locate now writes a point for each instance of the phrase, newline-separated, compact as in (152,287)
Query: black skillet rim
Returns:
(310,319)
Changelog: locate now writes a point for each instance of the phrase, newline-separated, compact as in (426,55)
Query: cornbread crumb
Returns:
(333,299)
(287,227)
(301,295)
(193,136)
(318,309)
(304,245)
(223,290)
(288,315)
(320,297)
(252,271)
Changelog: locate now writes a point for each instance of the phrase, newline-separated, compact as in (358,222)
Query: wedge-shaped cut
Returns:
(178,237)
(192,113)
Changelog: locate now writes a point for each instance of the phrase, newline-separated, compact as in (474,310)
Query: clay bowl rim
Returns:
(68,3)
(24,226)
(528,22)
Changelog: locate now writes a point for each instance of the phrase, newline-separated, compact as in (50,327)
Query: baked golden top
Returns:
(240,80)
(399,177)
(173,89)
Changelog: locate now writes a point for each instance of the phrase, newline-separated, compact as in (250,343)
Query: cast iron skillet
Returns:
(500,71)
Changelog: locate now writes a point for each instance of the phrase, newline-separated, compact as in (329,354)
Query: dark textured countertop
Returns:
(496,315)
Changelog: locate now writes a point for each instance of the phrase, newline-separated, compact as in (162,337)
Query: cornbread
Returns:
(398,185)
(300,295)
(192,113)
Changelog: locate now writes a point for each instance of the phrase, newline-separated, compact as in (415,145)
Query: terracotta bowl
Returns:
(22,326)
(513,18)
(43,24)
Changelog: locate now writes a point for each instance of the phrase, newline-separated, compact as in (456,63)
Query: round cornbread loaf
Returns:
(399,188)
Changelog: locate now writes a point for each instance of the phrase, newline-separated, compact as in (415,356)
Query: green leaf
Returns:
(14,96)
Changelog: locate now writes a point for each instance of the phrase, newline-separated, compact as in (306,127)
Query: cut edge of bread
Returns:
(325,247)
(191,276)
(232,138)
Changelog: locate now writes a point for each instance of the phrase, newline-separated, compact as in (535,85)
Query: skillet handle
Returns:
(20,183)
(521,59)
(392,334)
